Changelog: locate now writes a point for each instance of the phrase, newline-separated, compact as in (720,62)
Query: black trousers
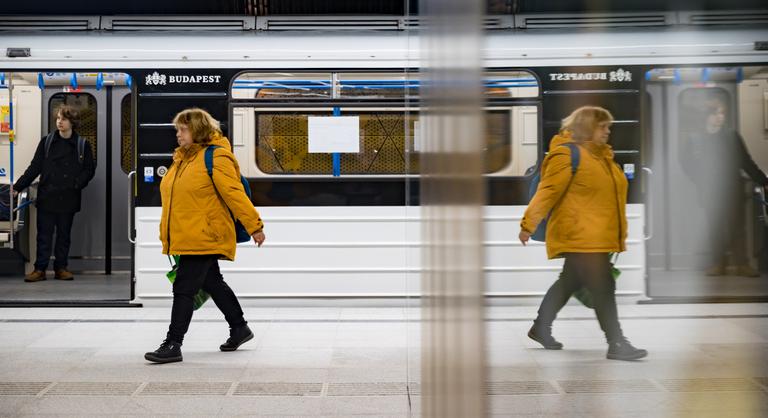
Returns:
(727,230)
(47,222)
(593,271)
(197,272)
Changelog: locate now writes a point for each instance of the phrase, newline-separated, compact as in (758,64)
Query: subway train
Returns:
(347,225)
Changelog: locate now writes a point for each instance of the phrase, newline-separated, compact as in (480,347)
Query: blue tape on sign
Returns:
(336,155)
(2,78)
(99,81)
(128,80)
(705,75)
(648,75)
(40,81)
(676,77)
(739,75)
(73,80)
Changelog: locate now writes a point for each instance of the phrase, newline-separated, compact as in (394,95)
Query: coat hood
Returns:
(598,150)
(181,153)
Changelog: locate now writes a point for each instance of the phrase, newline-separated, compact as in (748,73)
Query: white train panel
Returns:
(368,252)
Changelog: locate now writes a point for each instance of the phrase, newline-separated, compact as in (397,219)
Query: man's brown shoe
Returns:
(715,271)
(63,274)
(747,271)
(35,276)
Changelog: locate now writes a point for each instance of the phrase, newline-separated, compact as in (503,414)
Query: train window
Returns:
(86,104)
(282,85)
(510,84)
(378,85)
(386,136)
(368,85)
(126,145)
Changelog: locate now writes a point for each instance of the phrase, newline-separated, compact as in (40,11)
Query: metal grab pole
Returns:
(131,219)
(648,205)
(11,138)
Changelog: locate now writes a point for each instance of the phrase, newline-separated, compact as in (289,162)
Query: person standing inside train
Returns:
(64,162)
(587,222)
(196,223)
(714,157)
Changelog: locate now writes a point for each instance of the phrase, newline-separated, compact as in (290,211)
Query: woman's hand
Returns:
(524,236)
(258,237)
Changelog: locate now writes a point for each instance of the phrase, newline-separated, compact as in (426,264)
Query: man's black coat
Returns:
(62,176)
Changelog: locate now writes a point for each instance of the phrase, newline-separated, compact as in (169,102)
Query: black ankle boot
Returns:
(168,352)
(623,350)
(237,337)
(543,335)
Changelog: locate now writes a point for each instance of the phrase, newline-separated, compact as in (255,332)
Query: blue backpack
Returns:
(541,231)
(241,234)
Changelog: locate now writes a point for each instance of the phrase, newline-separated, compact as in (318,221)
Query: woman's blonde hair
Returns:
(584,120)
(200,123)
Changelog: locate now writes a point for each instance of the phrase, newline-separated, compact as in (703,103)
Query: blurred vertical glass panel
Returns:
(708,152)
(452,196)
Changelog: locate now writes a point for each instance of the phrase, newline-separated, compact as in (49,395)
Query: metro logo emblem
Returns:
(156,79)
(620,75)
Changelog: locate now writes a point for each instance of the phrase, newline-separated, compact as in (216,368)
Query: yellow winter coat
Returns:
(588,216)
(196,216)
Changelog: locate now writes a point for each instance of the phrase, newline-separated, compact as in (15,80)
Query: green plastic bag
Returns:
(200,297)
(584,296)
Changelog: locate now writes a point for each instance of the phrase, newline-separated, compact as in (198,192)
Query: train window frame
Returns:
(93,142)
(340,81)
(301,80)
(503,170)
(401,104)
(126,153)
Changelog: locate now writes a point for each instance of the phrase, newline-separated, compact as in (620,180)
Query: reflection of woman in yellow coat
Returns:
(196,224)
(586,223)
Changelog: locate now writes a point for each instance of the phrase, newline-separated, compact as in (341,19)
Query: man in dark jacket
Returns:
(714,159)
(65,165)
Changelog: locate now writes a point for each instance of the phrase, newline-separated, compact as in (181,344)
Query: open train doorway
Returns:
(707,148)
(100,253)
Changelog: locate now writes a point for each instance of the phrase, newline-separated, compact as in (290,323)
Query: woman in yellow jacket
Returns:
(587,221)
(196,224)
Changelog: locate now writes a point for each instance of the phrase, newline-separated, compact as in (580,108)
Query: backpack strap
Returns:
(209,159)
(80,149)
(48,142)
(575,156)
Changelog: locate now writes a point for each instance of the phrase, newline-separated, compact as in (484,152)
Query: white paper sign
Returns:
(417,136)
(334,134)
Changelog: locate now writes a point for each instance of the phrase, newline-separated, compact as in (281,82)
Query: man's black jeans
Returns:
(47,222)
(197,272)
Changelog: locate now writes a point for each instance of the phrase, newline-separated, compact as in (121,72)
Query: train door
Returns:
(689,252)
(100,249)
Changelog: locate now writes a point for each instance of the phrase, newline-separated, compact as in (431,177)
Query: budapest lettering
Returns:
(158,79)
(619,75)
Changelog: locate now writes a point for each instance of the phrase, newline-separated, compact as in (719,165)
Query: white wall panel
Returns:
(368,252)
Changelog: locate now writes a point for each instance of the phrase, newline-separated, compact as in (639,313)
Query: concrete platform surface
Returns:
(707,360)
